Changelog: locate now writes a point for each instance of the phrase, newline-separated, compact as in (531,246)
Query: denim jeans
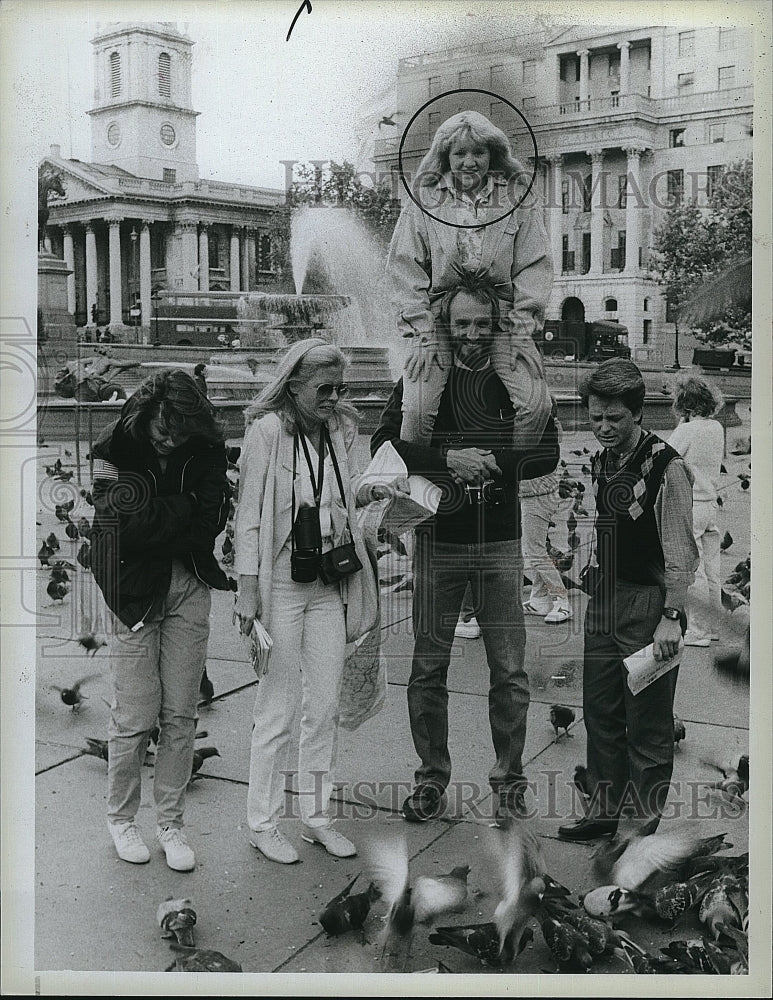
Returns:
(156,672)
(441,573)
(304,671)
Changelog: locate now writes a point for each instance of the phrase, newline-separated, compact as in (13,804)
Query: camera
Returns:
(307,546)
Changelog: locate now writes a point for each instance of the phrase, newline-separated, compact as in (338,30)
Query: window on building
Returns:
(726,77)
(495,110)
(613,66)
(496,75)
(529,102)
(726,39)
(646,305)
(433,120)
(622,190)
(213,240)
(170,176)
(465,77)
(714,178)
(567,256)
(676,137)
(716,132)
(675,181)
(265,253)
(587,189)
(165,75)
(569,68)
(565,197)
(646,331)
(529,72)
(157,247)
(614,99)
(434,85)
(685,80)
(610,305)
(585,253)
(115,74)
(686,43)
(670,311)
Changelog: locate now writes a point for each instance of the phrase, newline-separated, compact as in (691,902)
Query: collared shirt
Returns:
(470,210)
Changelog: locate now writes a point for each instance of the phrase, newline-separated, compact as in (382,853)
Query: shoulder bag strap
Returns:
(337,471)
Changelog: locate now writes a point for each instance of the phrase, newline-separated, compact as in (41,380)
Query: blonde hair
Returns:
(475,126)
(694,397)
(298,364)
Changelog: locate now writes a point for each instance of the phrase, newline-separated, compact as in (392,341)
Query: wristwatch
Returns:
(673,614)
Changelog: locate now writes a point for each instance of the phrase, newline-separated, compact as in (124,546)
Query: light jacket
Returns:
(515,254)
(263,520)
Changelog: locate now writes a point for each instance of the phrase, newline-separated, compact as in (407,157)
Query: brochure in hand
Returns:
(643,668)
(405,511)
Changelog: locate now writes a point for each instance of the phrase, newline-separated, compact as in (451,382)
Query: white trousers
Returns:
(704,598)
(306,664)
(536,514)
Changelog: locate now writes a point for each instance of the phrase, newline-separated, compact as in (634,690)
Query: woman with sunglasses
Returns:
(474,217)
(298,465)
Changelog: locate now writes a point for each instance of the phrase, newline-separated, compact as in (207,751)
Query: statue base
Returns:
(57,333)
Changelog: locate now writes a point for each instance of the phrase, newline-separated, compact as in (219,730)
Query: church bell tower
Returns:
(142,119)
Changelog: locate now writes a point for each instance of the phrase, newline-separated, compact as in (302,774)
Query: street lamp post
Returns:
(154,297)
(134,311)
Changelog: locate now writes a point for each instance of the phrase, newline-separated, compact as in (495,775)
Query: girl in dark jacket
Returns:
(161,498)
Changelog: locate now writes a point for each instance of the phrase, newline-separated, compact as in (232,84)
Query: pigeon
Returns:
(176,918)
(96,748)
(599,935)
(722,469)
(673,900)
(67,454)
(679,731)
(723,904)
(735,781)
(581,780)
(71,531)
(84,527)
(561,717)
(60,575)
(521,865)
(72,695)
(391,875)
(44,554)
(585,470)
(62,510)
(90,643)
(698,957)
(607,901)
(641,961)
(199,756)
(84,556)
(665,851)
(65,477)
(436,894)
(206,689)
(720,502)
(200,960)
(480,940)
(726,542)
(567,944)
(57,590)
(53,542)
(571,523)
(348,911)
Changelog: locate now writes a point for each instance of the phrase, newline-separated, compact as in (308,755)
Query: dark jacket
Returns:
(475,411)
(144,518)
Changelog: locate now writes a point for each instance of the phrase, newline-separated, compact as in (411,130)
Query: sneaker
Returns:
(540,608)
(334,842)
(179,855)
(693,639)
(561,612)
(274,846)
(467,629)
(424,803)
(511,805)
(128,842)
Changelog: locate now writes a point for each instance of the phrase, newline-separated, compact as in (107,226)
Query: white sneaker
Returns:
(128,842)
(179,854)
(540,608)
(561,612)
(693,639)
(334,842)
(467,630)
(274,846)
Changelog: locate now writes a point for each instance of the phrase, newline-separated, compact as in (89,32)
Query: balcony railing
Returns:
(532,41)
(232,192)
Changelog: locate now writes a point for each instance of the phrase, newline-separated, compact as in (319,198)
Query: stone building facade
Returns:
(620,123)
(137,218)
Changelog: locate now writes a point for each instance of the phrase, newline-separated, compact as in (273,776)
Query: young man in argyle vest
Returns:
(646,559)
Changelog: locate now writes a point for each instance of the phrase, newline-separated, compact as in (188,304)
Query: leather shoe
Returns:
(588,828)
(424,803)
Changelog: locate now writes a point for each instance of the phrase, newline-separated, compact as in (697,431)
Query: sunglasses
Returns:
(327,389)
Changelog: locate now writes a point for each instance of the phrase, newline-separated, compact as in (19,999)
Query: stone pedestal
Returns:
(57,334)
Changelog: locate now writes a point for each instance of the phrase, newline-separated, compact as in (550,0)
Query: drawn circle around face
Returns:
(437,97)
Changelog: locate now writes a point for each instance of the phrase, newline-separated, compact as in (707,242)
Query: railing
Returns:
(234,192)
(710,100)
(532,41)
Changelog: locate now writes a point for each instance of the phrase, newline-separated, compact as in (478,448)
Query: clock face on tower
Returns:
(168,136)
(114,133)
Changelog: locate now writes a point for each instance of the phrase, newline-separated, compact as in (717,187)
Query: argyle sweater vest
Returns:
(627,541)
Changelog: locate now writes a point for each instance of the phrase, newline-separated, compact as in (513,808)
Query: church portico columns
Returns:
(234,260)
(633,210)
(145,282)
(69,259)
(203,256)
(555,167)
(244,277)
(189,252)
(91,272)
(598,203)
(624,66)
(114,263)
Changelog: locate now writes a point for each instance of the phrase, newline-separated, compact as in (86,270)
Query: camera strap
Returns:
(316,484)
(337,471)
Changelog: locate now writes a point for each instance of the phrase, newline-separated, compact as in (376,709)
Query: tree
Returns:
(684,252)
